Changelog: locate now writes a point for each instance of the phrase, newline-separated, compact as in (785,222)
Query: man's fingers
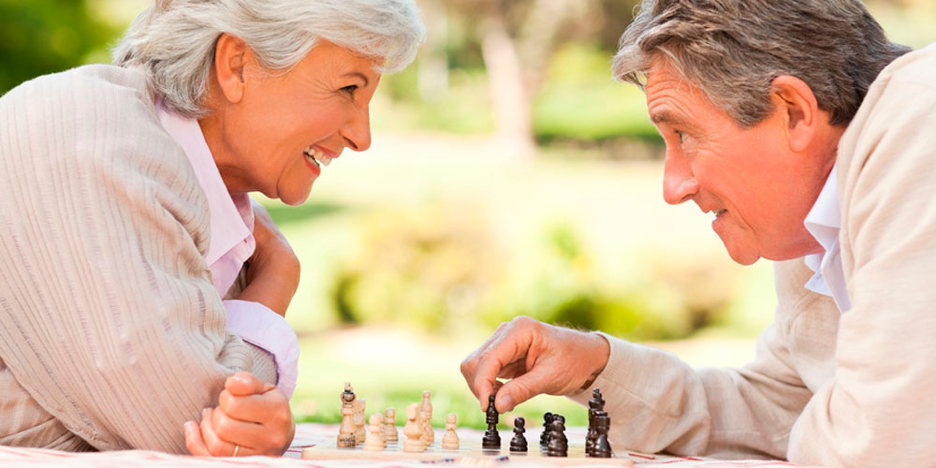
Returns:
(511,345)
(469,367)
(522,388)
(194,441)
(485,380)
(513,369)
(244,383)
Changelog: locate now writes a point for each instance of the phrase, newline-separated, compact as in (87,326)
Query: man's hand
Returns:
(252,416)
(273,270)
(539,358)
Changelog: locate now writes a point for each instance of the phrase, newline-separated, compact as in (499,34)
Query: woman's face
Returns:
(274,132)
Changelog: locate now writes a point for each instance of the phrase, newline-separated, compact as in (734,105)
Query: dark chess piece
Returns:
(595,404)
(519,442)
(602,446)
(491,439)
(591,438)
(544,436)
(558,445)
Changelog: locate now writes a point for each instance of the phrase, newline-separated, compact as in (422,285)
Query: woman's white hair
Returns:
(174,40)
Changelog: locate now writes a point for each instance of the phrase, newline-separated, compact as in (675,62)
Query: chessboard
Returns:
(469,451)
(353,441)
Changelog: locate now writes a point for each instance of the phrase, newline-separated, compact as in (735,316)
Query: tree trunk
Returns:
(433,74)
(510,100)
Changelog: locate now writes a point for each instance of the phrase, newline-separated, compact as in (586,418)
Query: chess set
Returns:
(381,439)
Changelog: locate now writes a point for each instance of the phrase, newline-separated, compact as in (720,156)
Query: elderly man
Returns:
(810,138)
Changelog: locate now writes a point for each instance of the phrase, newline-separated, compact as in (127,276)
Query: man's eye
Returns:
(681,135)
(350,89)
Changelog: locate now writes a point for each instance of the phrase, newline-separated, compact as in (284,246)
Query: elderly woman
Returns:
(140,290)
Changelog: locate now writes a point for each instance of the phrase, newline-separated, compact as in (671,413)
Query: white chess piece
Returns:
(389,430)
(450,439)
(425,414)
(374,439)
(347,429)
(359,432)
(413,433)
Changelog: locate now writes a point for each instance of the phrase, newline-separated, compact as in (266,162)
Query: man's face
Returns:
(758,189)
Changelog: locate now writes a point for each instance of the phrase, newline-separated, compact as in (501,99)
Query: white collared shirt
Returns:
(824,222)
(232,243)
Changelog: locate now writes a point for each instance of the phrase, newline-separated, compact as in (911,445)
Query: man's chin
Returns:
(741,255)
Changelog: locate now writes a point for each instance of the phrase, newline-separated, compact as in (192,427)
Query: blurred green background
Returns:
(509,176)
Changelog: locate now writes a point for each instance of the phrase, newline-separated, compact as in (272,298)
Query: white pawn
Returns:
(389,430)
(450,439)
(412,431)
(359,432)
(374,439)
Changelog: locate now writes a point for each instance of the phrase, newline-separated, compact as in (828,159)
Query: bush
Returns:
(439,269)
(45,36)
(424,268)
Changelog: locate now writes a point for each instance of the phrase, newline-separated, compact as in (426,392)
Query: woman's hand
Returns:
(252,417)
(539,358)
(273,270)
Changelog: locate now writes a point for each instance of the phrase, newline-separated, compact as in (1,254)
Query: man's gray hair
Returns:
(174,40)
(733,49)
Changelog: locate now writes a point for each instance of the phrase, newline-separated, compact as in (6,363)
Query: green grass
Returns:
(387,379)
(615,211)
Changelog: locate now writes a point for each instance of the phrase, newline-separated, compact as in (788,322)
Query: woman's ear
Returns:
(800,110)
(230,61)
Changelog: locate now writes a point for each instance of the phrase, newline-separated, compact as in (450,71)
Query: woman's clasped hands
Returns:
(252,418)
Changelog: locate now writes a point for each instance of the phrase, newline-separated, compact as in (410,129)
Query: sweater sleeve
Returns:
(878,410)
(108,315)
(658,403)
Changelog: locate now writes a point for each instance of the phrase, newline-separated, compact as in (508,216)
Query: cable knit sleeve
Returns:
(658,403)
(878,410)
(108,315)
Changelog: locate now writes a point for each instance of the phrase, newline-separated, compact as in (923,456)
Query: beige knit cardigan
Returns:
(850,389)
(112,334)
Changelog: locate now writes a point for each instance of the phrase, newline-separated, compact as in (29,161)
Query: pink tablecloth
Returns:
(307,435)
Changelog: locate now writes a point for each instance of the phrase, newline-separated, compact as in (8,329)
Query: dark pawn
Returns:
(544,436)
(602,425)
(519,442)
(491,439)
(558,445)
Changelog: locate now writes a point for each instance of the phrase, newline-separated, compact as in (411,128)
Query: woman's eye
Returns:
(350,89)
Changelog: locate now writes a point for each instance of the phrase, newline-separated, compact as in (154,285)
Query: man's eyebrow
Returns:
(359,75)
(667,117)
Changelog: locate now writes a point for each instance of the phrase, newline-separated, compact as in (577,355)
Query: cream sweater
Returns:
(112,334)
(854,389)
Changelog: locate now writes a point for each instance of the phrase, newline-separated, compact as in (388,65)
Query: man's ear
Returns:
(800,110)
(230,62)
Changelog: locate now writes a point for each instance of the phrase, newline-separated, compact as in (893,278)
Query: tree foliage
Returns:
(45,36)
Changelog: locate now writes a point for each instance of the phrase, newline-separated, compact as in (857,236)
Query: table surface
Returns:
(308,435)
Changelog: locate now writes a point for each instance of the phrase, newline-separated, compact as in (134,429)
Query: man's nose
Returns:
(679,183)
